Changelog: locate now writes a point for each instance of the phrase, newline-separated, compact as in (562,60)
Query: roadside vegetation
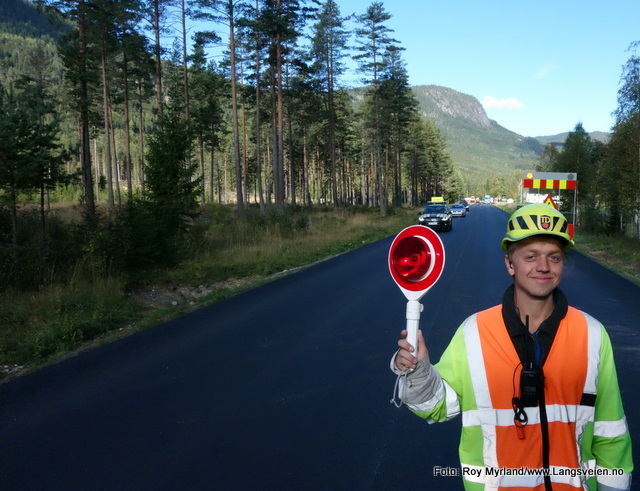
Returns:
(97,301)
(618,253)
(227,255)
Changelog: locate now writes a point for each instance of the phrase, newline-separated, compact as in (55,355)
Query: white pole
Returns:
(413,324)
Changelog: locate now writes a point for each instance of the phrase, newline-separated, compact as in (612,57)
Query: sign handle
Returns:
(414,307)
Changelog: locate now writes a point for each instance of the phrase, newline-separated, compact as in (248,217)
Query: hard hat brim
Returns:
(566,244)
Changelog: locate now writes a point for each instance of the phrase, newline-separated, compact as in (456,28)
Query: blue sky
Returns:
(539,67)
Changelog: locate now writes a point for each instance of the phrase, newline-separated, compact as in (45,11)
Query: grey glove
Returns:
(417,386)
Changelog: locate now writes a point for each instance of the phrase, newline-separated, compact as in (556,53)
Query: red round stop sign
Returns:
(416,260)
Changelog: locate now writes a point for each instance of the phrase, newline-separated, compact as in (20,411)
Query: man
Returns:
(533,378)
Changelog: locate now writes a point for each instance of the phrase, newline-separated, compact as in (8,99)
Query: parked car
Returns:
(458,210)
(436,216)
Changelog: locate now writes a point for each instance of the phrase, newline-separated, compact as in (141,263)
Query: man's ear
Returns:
(509,264)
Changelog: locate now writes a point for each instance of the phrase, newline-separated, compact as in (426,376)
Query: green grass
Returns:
(620,254)
(229,255)
(58,319)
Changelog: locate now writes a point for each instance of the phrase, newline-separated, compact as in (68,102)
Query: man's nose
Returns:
(542,264)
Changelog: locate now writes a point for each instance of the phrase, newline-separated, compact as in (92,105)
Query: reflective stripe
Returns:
(587,413)
(610,429)
(444,392)
(476,363)
(495,417)
(595,342)
(617,482)
(431,403)
(607,429)
(453,404)
(504,417)
(481,390)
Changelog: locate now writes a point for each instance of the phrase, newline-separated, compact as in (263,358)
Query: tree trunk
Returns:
(234,114)
(279,177)
(158,53)
(141,143)
(85,153)
(114,154)
(203,198)
(245,157)
(258,125)
(127,130)
(185,70)
(107,139)
(332,138)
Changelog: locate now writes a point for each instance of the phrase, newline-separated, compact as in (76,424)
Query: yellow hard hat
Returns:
(537,219)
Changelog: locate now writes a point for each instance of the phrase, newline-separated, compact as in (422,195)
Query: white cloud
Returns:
(489,102)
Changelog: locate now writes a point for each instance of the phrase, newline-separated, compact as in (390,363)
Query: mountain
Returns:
(476,143)
(559,140)
(22,18)
(480,146)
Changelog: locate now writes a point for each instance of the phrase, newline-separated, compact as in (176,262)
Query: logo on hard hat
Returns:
(545,222)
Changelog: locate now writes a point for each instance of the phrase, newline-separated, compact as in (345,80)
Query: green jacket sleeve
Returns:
(611,444)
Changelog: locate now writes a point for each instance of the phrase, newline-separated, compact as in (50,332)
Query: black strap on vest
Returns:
(544,428)
(532,395)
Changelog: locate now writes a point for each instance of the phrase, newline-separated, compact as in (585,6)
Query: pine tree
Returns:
(172,190)
(400,107)
(373,41)
(80,71)
(226,11)
(31,158)
(207,122)
(329,45)
(578,156)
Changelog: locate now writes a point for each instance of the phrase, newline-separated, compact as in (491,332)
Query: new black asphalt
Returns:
(285,386)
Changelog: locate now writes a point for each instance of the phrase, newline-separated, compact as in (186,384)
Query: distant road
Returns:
(284,386)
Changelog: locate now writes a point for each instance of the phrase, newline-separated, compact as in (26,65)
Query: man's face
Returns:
(536,266)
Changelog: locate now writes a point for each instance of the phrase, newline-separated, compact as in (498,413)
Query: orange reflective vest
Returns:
(589,440)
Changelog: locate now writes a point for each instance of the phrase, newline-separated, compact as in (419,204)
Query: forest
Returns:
(146,111)
(122,103)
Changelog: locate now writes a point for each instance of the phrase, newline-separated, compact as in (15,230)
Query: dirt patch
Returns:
(159,296)
(8,370)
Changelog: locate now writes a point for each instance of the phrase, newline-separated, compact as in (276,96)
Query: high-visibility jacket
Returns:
(589,441)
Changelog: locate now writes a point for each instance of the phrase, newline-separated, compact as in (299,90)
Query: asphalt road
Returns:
(286,386)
